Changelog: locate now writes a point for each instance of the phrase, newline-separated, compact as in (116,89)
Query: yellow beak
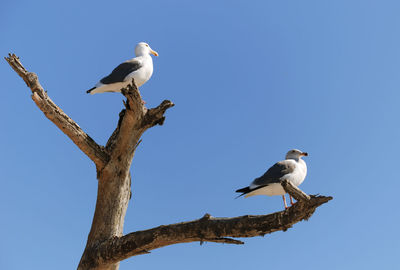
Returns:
(153,52)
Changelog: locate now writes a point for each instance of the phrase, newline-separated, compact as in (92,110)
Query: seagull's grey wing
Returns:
(274,173)
(119,73)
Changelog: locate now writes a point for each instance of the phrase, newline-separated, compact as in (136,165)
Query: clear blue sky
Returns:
(251,80)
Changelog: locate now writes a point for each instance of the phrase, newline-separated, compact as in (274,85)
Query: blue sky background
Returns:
(251,80)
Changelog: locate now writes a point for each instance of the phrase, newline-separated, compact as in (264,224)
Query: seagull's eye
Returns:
(147,45)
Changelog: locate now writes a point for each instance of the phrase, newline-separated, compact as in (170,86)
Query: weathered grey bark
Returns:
(106,246)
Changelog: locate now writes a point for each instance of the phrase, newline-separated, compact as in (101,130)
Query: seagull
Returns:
(139,68)
(293,168)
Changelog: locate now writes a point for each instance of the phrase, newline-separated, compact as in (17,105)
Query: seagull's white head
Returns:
(143,48)
(295,154)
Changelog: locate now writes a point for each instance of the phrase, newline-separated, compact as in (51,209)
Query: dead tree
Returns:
(106,246)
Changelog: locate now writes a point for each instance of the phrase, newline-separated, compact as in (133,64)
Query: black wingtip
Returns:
(243,191)
(90,90)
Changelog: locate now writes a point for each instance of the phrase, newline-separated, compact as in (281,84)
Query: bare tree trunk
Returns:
(108,220)
(106,246)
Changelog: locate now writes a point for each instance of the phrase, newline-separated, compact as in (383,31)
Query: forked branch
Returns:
(133,121)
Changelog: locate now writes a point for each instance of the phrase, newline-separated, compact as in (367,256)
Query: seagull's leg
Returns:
(291,200)
(284,201)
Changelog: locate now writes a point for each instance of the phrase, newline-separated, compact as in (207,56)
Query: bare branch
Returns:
(294,191)
(223,240)
(134,101)
(206,229)
(155,116)
(68,126)
(133,121)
